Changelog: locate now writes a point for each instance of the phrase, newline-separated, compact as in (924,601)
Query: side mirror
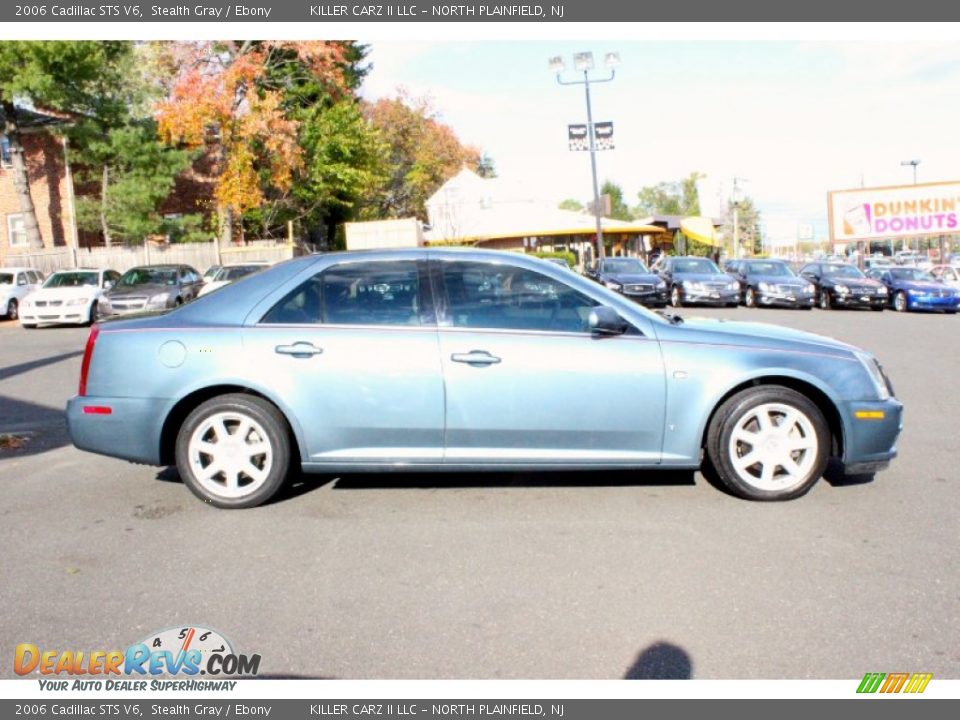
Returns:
(605,320)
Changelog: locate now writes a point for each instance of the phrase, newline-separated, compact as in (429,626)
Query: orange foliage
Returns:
(221,96)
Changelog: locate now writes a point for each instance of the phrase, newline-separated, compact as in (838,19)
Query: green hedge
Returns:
(566,255)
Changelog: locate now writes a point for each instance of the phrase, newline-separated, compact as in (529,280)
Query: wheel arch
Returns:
(824,402)
(185,405)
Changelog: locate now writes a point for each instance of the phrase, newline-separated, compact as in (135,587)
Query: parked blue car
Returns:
(451,360)
(914,289)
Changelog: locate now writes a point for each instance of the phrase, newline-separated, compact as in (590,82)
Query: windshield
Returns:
(148,276)
(235,273)
(71,279)
(211,271)
(910,274)
(624,265)
(847,271)
(696,265)
(6,279)
(769,268)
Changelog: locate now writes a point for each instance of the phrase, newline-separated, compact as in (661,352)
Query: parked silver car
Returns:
(468,360)
(151,287)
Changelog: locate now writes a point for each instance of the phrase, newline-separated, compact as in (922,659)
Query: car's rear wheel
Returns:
(900,301)
(233,451)
(13,310)
(768,443)
(676,299)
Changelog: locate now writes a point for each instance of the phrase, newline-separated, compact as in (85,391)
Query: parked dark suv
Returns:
(697,280)
(630,277)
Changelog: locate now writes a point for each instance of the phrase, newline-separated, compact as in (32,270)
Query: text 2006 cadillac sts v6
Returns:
(468,360)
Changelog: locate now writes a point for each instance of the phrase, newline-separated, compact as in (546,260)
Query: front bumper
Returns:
(63,315)
(927,302)
(857,300)
(131,431)
(767,297)
(710,296)
(652,297)
(871,432)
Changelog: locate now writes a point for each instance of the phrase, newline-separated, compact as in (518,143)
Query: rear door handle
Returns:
(475,357)
(300,349)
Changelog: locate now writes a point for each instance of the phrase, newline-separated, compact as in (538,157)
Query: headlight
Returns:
(691,285)
(661,285)
(77,301)
(765,287)
(612,285)
(160,299)
(875,372)
(882,290)
(733,286)
(810,288)
(842,289)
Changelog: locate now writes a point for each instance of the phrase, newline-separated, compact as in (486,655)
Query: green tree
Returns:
(136,174)
(677,197)
(748,225)
(486,167)
(571,204)
(618,208)
(77,79)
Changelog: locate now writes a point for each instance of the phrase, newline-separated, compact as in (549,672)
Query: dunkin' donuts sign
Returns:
(891,212)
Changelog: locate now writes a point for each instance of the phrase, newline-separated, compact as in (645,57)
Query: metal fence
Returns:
(122,258)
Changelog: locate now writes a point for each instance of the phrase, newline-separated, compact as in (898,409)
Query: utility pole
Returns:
(736,217)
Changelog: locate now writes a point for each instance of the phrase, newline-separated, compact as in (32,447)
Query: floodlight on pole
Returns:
(583,62)
(914,163)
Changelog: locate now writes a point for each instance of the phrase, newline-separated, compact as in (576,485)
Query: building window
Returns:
(5,158)
(16,230)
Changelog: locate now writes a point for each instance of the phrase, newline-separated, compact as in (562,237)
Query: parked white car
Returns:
(228,273)
(15,284)
(67,297)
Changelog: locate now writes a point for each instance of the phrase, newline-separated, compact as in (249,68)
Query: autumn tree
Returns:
(76,80)
(422,154)
(234,97)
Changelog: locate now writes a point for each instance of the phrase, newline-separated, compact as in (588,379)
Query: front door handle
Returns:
(300,349)
(475,357)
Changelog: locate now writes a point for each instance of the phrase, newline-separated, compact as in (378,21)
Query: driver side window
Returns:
(504,297)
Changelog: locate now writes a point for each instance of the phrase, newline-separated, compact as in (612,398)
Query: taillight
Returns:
(87,354)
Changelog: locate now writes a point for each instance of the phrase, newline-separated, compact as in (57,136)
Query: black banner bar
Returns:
(260,11)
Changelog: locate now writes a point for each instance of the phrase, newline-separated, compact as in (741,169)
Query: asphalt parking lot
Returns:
(597,575)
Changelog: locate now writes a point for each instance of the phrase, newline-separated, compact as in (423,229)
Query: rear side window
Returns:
(488,295)
(374,293)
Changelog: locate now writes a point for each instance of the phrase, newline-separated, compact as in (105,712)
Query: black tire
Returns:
(825,303)
(27,326)
(900,303)
(13,309)
(178,302)
(92,318)
(277,436)
(676,297)
(734,410)
(750,298)
(877,308)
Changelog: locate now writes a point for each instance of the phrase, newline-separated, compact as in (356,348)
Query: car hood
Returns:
(631,277)
(141,290)
(752,334)
(779,280)
(919,285)
(64,293)
(704,277)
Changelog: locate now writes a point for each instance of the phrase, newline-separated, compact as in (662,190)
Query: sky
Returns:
(793,119)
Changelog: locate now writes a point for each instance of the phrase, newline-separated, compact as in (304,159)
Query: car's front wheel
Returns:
(768,443)
(825,303)
(900,303)
(13,310)
(750,299)
(676,299)
(233,451)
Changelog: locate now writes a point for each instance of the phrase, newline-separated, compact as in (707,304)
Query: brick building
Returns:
(53,190)
(47,170)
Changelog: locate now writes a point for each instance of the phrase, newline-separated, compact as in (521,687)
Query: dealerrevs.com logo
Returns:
(183,651)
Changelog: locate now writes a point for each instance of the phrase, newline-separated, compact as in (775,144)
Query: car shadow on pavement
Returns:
(14,370)
(661,661)
(30,429)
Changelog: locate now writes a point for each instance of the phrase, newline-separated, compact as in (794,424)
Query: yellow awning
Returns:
(700,229)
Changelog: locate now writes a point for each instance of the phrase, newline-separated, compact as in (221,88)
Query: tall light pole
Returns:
(583,62)
(914,163)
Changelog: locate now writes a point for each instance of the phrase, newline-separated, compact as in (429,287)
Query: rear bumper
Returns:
(131,431)
(870,442)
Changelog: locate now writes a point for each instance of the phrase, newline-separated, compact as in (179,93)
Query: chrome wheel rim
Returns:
(230,455)
(750,299)
(773,447)
(824,300)
(675,297)
(899,302)
(13,310)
